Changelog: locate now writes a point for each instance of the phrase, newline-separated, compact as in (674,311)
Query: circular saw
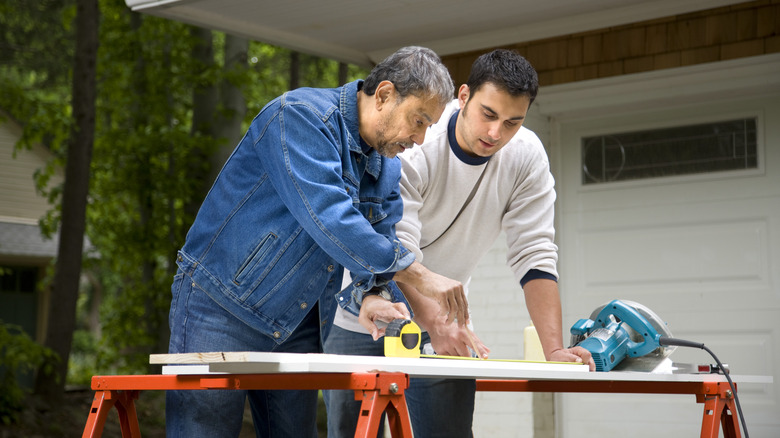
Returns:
(623,335)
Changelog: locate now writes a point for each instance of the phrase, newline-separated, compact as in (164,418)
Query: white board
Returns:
(267,363)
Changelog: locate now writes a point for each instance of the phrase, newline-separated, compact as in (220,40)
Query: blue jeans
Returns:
(198,324)
(437,407)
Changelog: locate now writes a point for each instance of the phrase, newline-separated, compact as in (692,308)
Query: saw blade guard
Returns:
(630,317)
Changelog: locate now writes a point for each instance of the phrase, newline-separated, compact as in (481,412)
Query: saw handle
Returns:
(636,321)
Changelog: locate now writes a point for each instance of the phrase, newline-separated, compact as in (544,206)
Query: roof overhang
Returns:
(363,32)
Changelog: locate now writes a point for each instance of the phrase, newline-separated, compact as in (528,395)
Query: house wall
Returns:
(720,34)
(19,200)
(599,227)
(21,206)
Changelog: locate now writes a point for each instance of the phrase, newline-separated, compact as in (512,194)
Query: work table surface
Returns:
(278,363)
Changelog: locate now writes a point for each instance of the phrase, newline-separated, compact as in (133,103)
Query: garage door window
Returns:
(692,149)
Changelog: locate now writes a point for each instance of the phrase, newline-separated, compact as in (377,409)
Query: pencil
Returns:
(473,343)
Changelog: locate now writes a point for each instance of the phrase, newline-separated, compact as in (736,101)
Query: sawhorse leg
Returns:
(718,399)
(101,406)
(719,410)
(386,396)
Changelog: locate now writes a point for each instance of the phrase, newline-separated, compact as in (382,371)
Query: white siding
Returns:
(18,197)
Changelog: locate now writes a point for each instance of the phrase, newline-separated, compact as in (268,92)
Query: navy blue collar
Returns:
(455,147)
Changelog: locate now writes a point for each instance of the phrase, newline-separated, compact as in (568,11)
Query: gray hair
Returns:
(413,70)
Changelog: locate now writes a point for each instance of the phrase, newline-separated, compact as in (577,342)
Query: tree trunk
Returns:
(204,108)
(295,70)
(157,321)
(228,131)
(65,289)
(343,70)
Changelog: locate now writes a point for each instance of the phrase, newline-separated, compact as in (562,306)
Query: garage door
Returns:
(649,212)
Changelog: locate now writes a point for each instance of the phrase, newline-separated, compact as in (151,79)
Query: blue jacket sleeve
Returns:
(351,298)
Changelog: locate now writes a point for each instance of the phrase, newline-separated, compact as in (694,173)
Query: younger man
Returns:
(478,173)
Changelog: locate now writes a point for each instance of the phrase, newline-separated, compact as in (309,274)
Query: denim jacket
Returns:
(296,203)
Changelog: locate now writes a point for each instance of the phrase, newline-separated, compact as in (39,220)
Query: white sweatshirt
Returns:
(516,195)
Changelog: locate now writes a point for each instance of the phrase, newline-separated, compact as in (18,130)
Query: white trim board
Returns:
(740,78)
(264,362)
(273,363)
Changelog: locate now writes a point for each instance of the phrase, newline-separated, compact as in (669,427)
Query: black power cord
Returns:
(663,340)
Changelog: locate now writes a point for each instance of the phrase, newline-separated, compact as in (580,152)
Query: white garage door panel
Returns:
(702,255)
(701,251)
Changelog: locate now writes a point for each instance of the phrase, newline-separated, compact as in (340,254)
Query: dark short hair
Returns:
(507,70)
(414,71)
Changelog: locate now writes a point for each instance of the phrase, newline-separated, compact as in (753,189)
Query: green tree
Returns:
(172,102)
(65,288)
(148,167)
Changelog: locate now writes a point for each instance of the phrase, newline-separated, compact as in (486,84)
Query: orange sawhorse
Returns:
(379,392)
(719,406)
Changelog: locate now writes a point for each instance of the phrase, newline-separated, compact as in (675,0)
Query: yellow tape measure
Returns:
(402,339)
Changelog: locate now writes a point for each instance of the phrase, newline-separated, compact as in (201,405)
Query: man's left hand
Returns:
(575,354)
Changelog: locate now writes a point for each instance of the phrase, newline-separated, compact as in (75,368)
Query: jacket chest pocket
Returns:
(369,206)
(372,211)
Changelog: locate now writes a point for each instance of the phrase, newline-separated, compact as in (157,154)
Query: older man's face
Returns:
(403,123)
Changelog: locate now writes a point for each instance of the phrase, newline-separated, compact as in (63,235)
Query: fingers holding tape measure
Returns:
(375,309)
(403,338)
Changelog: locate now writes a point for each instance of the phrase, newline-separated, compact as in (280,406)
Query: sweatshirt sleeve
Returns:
(529,220)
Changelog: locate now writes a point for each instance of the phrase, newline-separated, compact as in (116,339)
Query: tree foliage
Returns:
(18,355)
(148,165)
(36,52)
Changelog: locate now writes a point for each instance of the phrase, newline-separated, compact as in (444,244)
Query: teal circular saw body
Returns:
(621,330)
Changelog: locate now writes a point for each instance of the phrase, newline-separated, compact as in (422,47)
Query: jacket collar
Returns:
(348,108)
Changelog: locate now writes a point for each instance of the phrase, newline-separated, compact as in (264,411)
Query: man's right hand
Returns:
(448,293)
(453,340)
(375,309)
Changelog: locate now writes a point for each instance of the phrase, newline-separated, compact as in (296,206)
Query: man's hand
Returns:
(448,293)
(453,340)
(575,354)
(375,308)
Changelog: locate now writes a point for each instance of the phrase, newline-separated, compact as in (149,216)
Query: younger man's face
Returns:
(488,119)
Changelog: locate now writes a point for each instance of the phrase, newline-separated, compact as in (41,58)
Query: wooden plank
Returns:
(199,358)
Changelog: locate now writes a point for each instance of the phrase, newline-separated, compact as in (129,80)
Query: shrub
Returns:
(18,355)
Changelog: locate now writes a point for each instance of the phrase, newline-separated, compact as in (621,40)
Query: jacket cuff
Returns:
(351,298)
